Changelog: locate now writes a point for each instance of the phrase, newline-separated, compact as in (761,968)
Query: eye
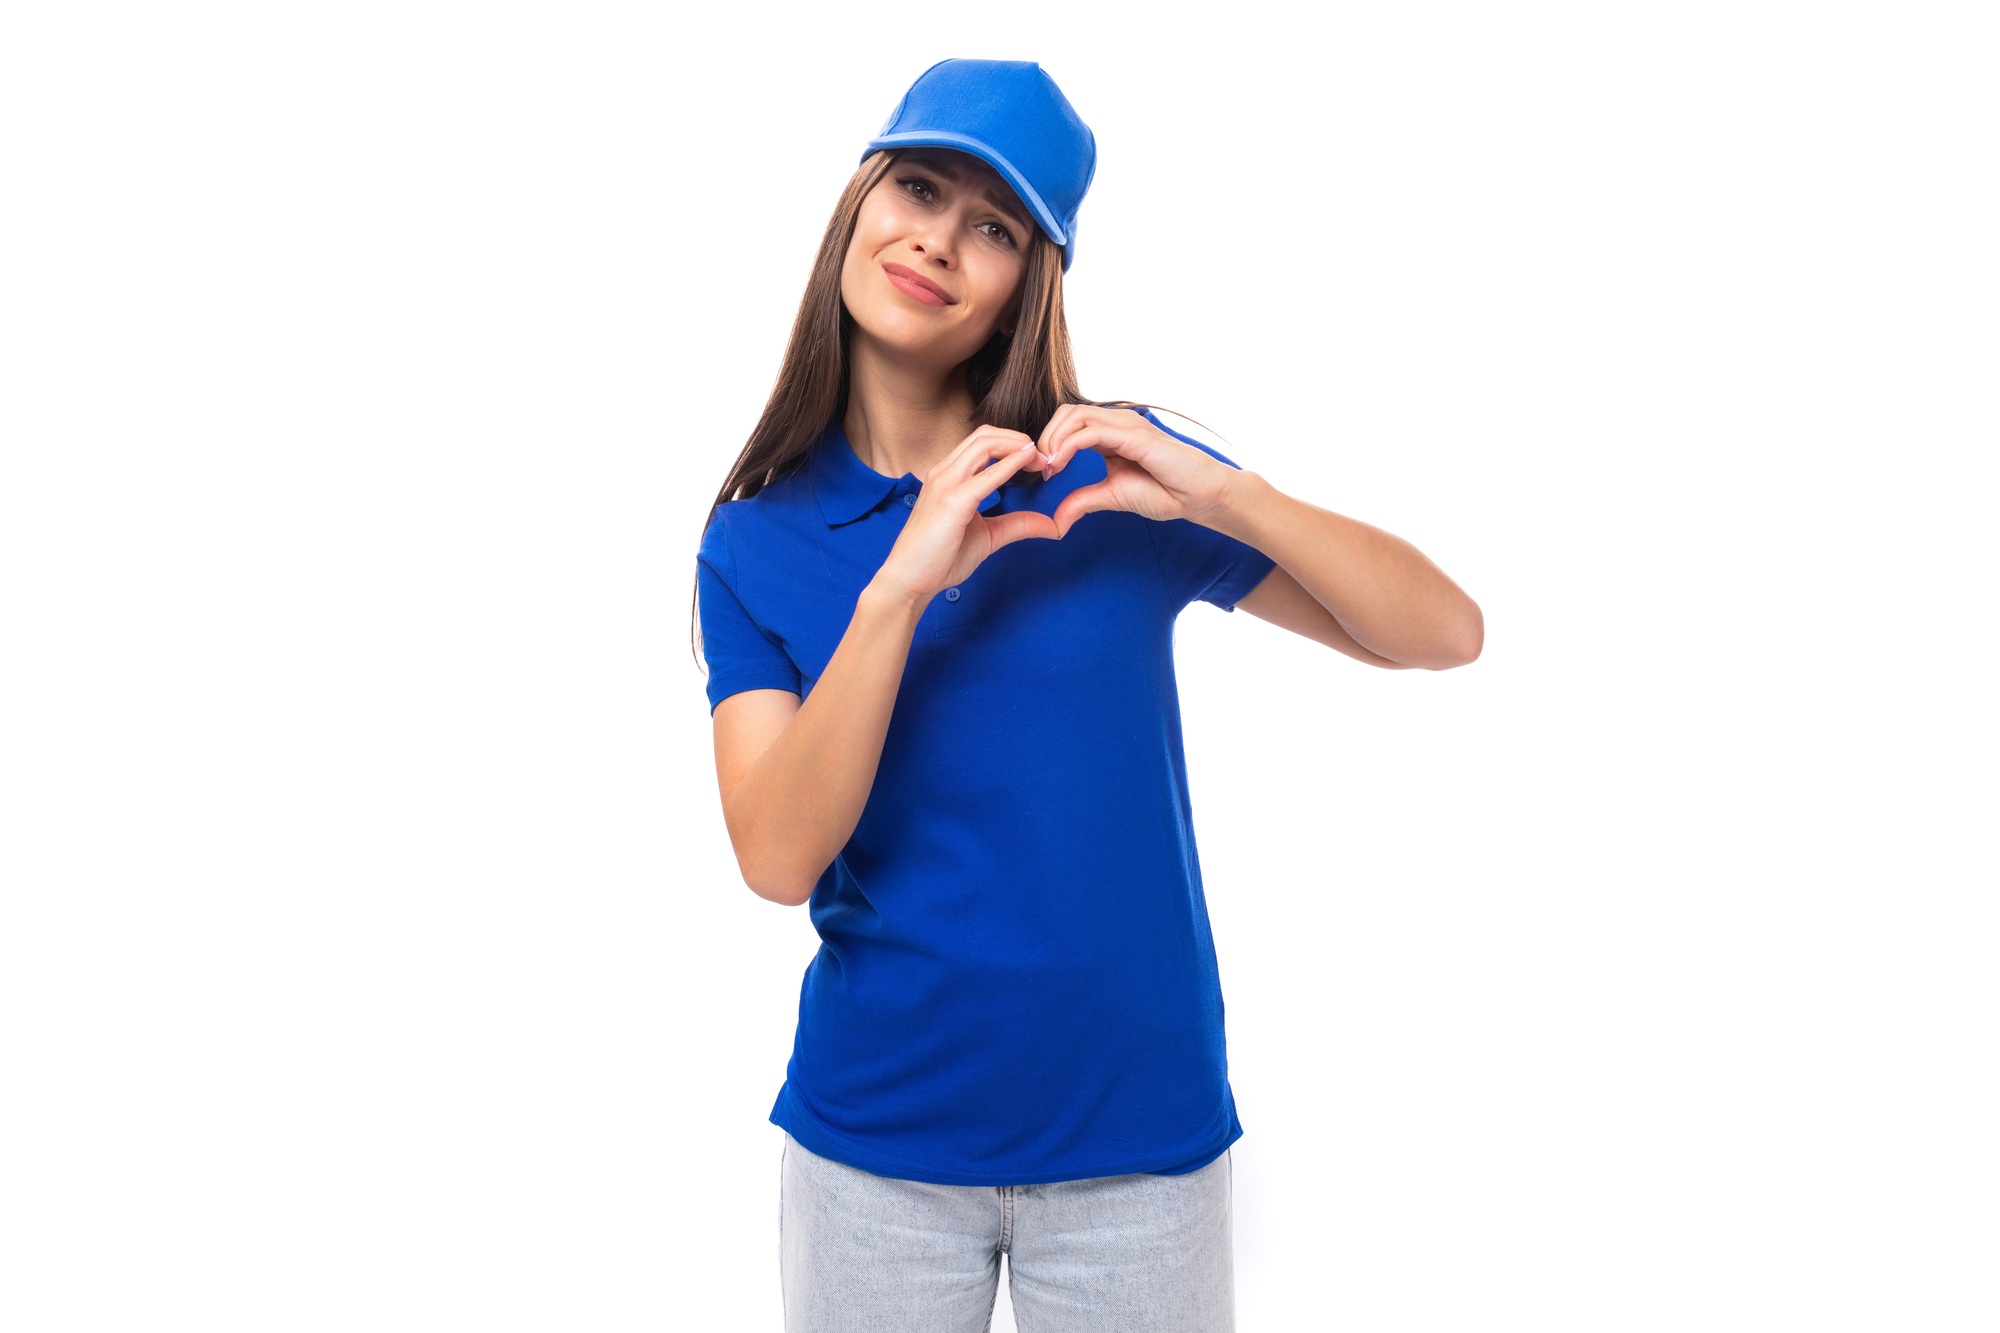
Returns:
(999,233)
(919,187)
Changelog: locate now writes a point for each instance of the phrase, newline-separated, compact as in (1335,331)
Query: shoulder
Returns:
(718,549)
(743,519)
(755,538)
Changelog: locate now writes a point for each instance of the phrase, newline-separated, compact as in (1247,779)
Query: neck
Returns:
(902,418)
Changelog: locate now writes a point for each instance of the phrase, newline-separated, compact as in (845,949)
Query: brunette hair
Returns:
(1018,380)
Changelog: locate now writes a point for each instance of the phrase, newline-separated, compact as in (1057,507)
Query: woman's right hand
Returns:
(946,537)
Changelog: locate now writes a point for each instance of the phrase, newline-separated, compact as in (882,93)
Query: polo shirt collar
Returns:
(848,488)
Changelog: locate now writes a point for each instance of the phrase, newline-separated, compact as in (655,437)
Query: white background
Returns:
(373,956)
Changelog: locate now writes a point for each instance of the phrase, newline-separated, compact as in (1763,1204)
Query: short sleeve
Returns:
(740,655)
(1201,564)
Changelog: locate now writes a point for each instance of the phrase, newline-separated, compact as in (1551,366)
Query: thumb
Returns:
(1021,523)
(1081,501)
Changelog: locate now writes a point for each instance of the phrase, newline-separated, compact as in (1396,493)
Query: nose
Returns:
(934,242)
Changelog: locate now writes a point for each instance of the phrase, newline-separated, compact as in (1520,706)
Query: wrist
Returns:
(1244,496)
(888,597)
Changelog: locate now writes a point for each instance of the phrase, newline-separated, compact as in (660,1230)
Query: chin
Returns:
(911,338)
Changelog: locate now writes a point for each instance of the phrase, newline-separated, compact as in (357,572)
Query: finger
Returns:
(1054,427)
(1065,443)
(982,484)
(1074,417)
(1105,436)
(963,449)
(975,452)
(1081,501)
(1021,523)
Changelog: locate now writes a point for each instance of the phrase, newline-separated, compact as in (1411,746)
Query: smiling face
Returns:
(936,261)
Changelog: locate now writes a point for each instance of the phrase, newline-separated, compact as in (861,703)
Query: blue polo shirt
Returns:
(1016,982)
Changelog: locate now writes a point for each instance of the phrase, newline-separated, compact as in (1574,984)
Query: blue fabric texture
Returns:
(1016,982)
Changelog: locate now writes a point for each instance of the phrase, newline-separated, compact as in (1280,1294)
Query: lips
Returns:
(916,286)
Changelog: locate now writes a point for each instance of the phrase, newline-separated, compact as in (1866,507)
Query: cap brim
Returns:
(967,144)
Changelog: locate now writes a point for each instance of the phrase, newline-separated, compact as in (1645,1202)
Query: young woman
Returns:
(936,599)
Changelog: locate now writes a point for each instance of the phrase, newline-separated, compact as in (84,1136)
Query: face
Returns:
(935,265)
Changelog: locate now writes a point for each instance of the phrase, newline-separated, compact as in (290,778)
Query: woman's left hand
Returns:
(1148,472)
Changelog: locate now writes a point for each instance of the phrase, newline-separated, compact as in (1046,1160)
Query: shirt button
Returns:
(909,502)
(951,594)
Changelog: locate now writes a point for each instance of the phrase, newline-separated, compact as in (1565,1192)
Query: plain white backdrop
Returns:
(373,955)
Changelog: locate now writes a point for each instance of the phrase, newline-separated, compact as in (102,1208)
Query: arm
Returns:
(1377,597)
(1280,600)
(1346,583)
(796,776)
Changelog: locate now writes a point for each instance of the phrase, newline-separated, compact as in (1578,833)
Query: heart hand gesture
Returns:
(946,537)
(1148,471)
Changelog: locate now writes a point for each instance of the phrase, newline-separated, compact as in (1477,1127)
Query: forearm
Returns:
(794,810)
(1384,592)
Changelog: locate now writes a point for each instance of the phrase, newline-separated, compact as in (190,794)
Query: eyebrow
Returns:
(1005,205)
(1000,199)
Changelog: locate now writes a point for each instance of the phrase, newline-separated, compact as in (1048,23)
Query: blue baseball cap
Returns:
(1010,115)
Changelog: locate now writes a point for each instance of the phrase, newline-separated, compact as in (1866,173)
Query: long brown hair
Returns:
(1017,381)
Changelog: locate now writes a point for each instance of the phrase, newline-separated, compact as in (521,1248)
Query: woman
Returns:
(936,599)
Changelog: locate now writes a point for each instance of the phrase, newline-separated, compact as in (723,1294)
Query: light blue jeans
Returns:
(861,1253)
